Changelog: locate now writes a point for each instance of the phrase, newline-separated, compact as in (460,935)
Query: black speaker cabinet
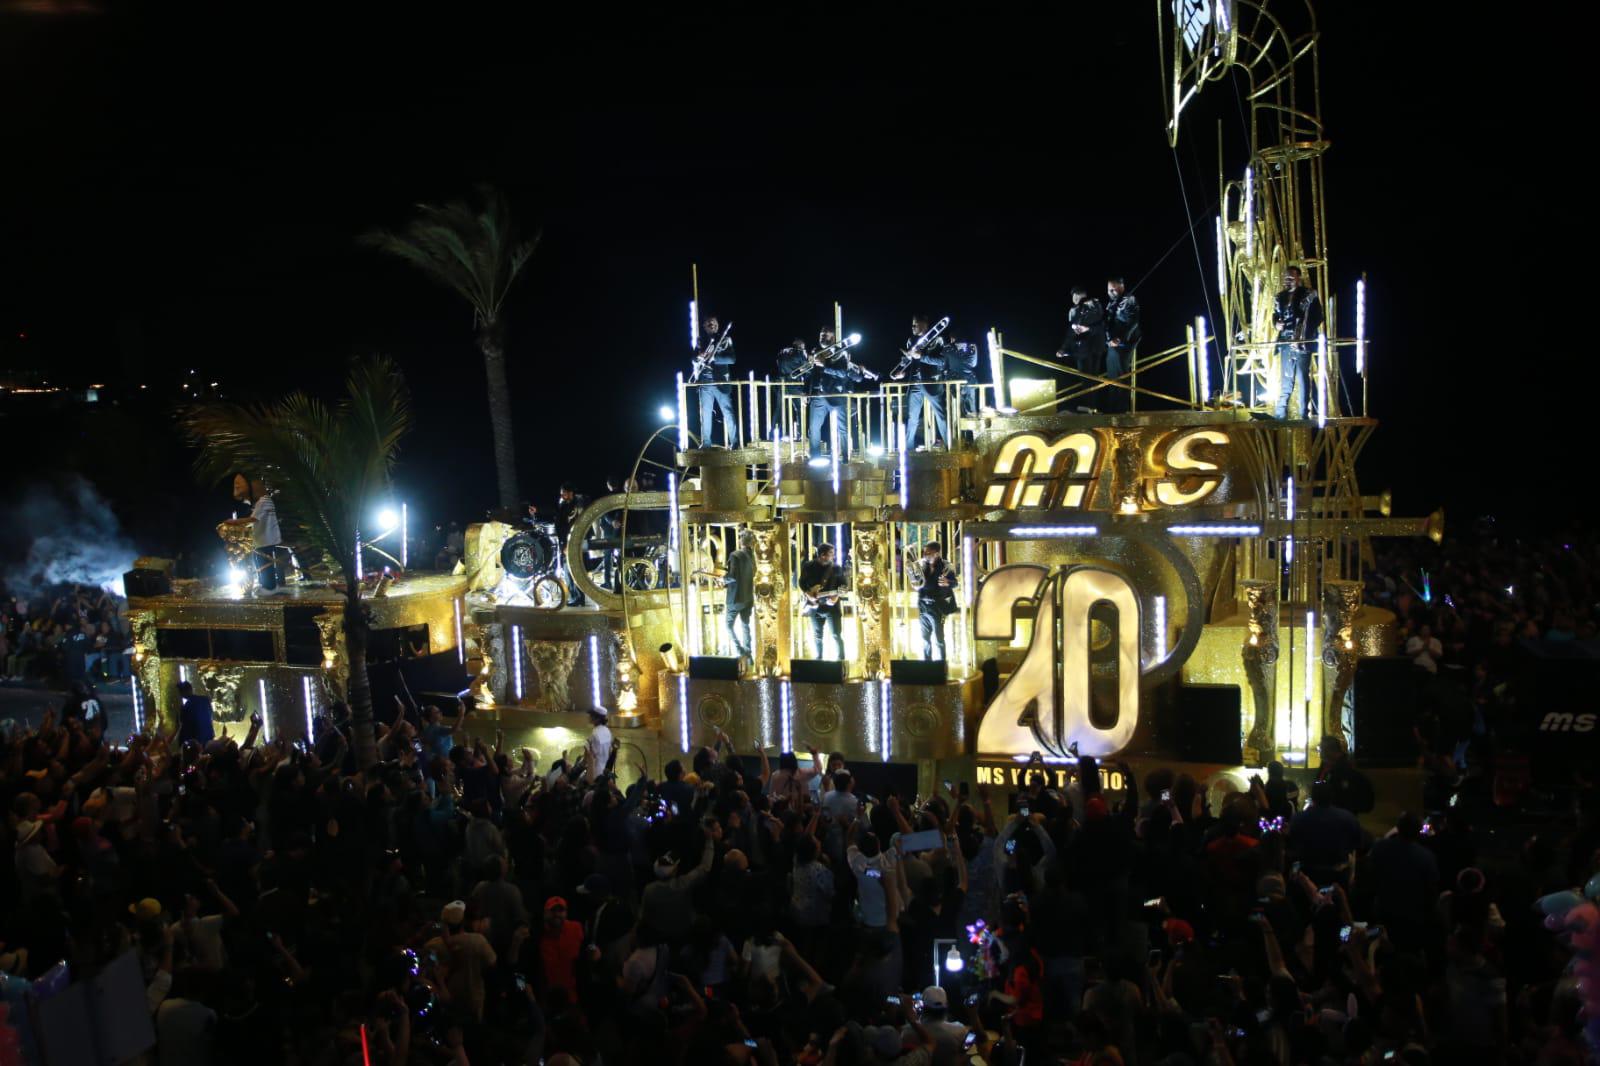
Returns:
(1385,693)
(918,672)
(816,671)
(713,668)
(140,583)
(1208,724)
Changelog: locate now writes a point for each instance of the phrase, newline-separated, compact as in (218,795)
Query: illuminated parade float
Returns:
(1181,580)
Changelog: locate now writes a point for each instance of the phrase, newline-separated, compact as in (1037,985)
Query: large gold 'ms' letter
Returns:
(1028,472)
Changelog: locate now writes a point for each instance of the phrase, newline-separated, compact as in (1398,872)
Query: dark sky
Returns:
(180,193)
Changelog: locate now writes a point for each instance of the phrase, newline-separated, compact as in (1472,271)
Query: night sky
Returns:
(179,194)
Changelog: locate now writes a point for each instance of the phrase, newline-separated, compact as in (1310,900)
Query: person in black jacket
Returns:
(1085,341)
(740,581)
(927,365)
(718,390)
(824,385)
(1122,338)
(1297,313)
(936,600)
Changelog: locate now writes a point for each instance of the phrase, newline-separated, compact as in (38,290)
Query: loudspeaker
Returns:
(713,668)
(817,671)
(139,583)
(918,672)
(1208,724)
(1385,693)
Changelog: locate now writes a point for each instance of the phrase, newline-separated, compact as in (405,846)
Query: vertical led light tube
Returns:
(405,536)
(833,454)
(1203,359)
(1288,514)
(997,371)
(753,430)
(1249,213)
(594,670)
(1222,261)
(1322,379)
(311,708)
(461,645)
(885,708)
(786,715)
(516,662)
(1161,627)
(1311,664)
(138,705)
(683,712)
(266,711)
(683,415)
(1361,326)
(905,489)
(359,574)
(694,325)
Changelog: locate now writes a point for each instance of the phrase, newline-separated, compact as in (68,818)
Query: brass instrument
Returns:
(704,361)
(909,355)
(826,355)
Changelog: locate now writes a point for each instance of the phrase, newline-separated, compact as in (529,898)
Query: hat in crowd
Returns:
(595,885)
(454,912)
(666,866)
(555,901)
(26,831)
(1094,809)
(599,712)
(935,998)
(1178,931)
(884,1040)
(146,910)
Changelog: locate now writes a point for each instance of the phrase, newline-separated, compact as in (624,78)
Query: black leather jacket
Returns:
(1297,313)
(1122,320)
(1085,345)
(820,379)
(722,365)
(929,364)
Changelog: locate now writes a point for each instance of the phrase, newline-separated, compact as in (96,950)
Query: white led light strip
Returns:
(594,669)
(1054,531)
(1214,531)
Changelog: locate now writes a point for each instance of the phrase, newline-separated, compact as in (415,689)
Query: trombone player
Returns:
(824,377)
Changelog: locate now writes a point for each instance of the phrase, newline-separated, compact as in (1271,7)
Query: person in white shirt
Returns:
(597,750)
(1425,650)
(266,536)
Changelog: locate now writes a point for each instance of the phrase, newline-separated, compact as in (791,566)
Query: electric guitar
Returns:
(816,599)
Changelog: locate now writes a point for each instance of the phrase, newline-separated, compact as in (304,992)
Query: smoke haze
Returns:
(64,533)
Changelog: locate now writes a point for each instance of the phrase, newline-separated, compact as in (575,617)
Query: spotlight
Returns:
(668,413)
(819,462)
(388,518)
(953,962)
(854,338)
(875,451)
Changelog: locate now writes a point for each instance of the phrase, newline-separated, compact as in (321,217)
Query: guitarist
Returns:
(936,599)
(822,584)
(715,388)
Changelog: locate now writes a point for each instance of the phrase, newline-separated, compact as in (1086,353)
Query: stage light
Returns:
(1202,359)
(594,671)
(668,413)
(266,712)
(854,339)
(683,711)
(875,452)
(310,701)
(953,962)
(819,462)
(1037,532)
(388,518)
(235,576)
(1361,326)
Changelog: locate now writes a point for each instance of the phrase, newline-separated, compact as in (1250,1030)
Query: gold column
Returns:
(147,668)
(1129,467)
(772,599)
(867,552)
(335,667)
(1341,601)
(1260,654)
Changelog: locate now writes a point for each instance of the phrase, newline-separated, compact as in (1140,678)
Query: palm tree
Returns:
(475,251)
(330,467)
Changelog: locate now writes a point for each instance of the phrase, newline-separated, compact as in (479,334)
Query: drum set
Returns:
(531,559)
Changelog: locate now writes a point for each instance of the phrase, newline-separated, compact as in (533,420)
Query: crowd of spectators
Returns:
(64,634)
(459,902)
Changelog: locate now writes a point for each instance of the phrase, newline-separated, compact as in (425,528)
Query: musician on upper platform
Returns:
(923,362)
(713,378)
(1085,342)
(823,375)
(1122,339)
(1297,313)
(823,585)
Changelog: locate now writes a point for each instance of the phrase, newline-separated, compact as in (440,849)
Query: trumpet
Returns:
(824,355)
(703,361)
(909,356)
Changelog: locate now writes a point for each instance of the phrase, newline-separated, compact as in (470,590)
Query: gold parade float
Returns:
(1116,571)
